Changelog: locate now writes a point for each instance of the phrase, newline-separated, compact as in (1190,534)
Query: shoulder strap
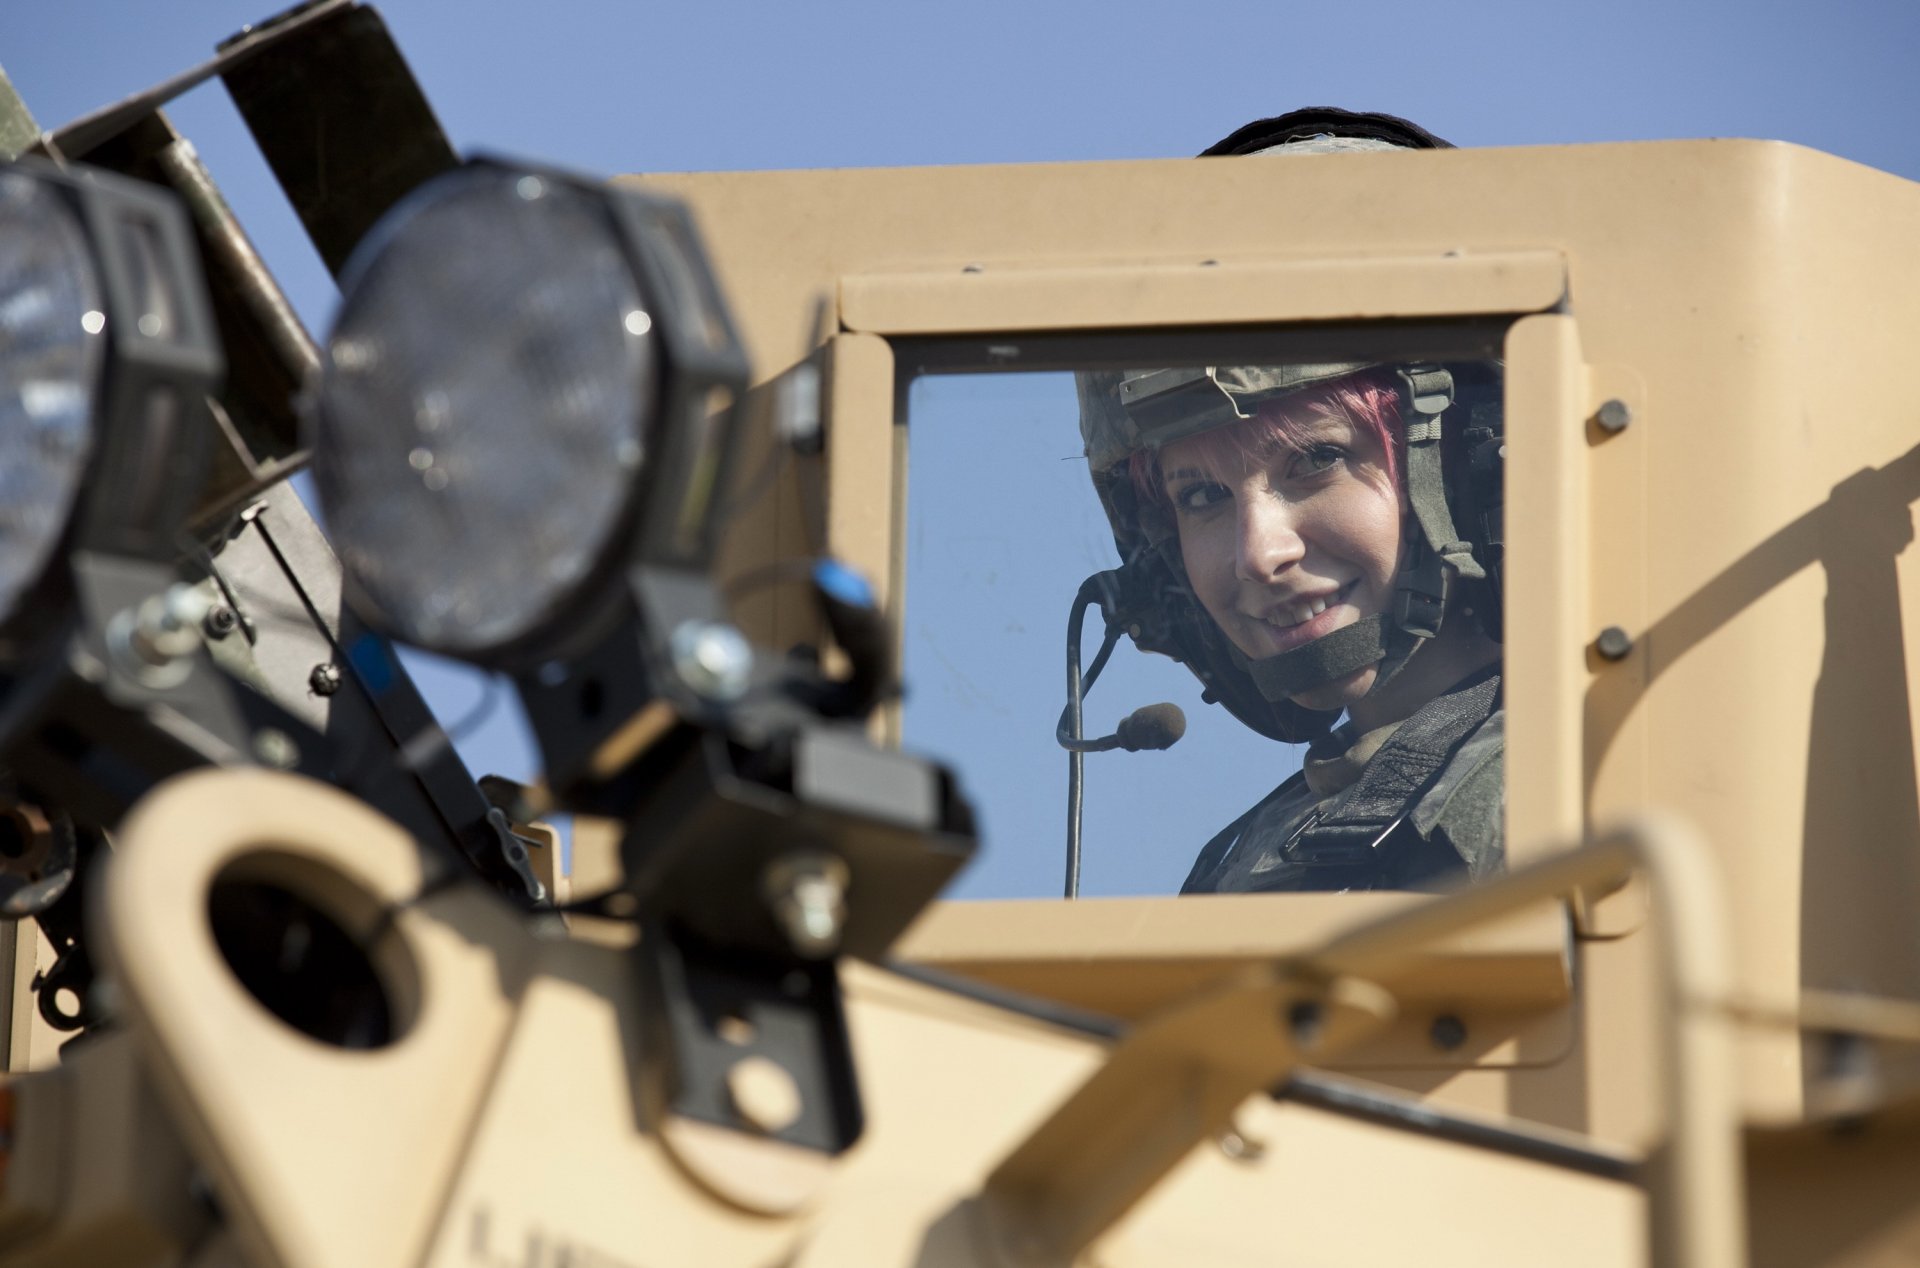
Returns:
(1466,805)
(1411,759)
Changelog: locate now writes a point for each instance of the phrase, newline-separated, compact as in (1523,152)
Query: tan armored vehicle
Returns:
(378,1023)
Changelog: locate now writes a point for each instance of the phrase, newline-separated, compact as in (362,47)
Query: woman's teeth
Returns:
(1299,613)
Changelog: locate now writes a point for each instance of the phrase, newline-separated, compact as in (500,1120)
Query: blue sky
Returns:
(624,86)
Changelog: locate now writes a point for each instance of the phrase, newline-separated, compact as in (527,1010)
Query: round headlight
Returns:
(51,350)
(483,406)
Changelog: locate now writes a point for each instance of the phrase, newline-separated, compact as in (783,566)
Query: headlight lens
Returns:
(483,407)
(50,357)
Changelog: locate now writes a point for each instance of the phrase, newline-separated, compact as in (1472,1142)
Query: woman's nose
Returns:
(1269,542)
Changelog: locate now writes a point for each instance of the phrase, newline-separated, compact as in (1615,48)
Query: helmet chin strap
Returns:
(1372,640)
(1326,659)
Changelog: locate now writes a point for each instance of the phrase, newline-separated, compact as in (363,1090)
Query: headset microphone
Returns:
(1151,727)
(1154,726)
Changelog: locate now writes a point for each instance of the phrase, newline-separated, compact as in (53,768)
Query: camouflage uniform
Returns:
(1414,806)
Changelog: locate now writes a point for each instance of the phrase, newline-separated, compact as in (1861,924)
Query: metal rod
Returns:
(1071,730)
(1076,760)
(1695,1184)
(1694,1179)
(1566,1150)
(228,243)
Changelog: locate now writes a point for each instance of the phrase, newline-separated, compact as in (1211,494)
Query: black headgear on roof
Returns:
(1314,121)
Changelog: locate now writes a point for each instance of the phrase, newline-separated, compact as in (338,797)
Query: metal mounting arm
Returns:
(1176,1080)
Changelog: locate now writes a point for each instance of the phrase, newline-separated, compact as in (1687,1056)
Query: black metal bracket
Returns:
(708,1010)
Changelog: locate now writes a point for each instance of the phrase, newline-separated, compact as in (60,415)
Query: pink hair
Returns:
(1367,399)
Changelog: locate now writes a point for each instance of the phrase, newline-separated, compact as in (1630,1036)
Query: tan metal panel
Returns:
(382,1131)
(1616,771)
(1751,532)
(982,298)
(862,518)
(1546,672)
(31,1044)
(1131,956)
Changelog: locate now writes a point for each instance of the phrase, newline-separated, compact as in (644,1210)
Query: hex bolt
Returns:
(1613,417)
(712,658)
(166,626)
(1239,1147)
(763,1094)
(1448,1032)
(1304,1024)
(276,748)
(153,641)
(325,679)
(1614,643)
(220,621)
(807,893)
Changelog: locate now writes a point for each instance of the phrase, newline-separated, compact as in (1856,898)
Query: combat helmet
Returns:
(1451,422)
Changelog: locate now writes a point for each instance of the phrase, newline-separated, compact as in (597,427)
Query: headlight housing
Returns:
(51,347)
(107,352)
(517,398)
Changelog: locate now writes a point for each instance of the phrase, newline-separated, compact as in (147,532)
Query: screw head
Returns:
(807,892)
(220,621)
(1614,643)
(1304,1023)
(1614,416)
(325,679)
(276,748)
(1448,1032)
(1240,1148)
(167,625)
(763,1094)
(713,658)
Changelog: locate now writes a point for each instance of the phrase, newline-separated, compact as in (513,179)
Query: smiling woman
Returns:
(1298,525)
(1290,528)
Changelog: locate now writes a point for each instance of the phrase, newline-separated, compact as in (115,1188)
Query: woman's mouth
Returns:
(1292,625)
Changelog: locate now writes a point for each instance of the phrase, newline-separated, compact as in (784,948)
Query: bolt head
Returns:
(1614,416)
(1305,1022)
(325,679)
(763,1094)
(1240,1148)
(712,658)
(1447,1032)
(807,893)
(220,621)
(276,748)
(1614,643)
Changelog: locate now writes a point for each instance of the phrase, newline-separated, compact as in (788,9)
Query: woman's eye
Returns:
(1199,497)
(1317,459)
